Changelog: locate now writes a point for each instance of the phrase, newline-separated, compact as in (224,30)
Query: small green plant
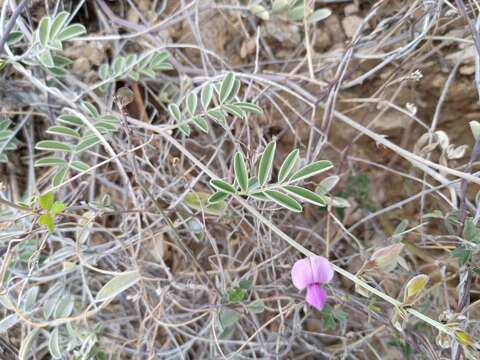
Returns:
(284,191)
(133,66)
(51,209)
(224,103)
(48,39)
(332,316)
(76,139)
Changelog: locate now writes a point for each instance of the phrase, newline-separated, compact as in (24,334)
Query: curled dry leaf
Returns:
(385,258)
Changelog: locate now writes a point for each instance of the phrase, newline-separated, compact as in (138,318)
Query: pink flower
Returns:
(311,273)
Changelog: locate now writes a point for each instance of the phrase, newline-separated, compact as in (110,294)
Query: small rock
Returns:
(334,28)
(248,47)
(467,69)
(350,9)
(322,40)
(81,65)
(351,24)
(287,34)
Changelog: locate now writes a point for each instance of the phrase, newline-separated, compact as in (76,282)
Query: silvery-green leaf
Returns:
(117,285)
(228,317)
(71,31)
(54,344)
(49,305)
(312,169)
(103,71)
(279,6)
(234,110)
(118,65)
(475,128)
(64,307)
(59,176)
(199,201)
(284,200)
(70,120)
(327,184)
(227,87)
(58,23)
(45,58)
(217,197)
(14,37)
(259,11)
(49,161)
(201,123)
(245,106)
(43,30)
(223,186)
(305,195)
(175,111)
(240,169)
(217,115)
(63,130)
(256,307)
(29,298)
(191,103)
(206,96)
(7,322)
(159,58)
(319,15)
(339,202)
(288,165)
(266,163)
(296,13)
(87,143)
(90,109)
(79,166)
(27,343)
(52,145)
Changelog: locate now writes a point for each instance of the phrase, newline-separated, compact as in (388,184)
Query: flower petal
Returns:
(316,296)
(302,274)
(314,269)
(321,269)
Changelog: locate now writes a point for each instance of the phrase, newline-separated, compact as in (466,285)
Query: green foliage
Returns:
(239,293)
(331,316)
(8,141)
(358,187)
(48,38)
(218,101)
(51,209)
(76,138)
(284,192)
(133,67)
(296,10)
